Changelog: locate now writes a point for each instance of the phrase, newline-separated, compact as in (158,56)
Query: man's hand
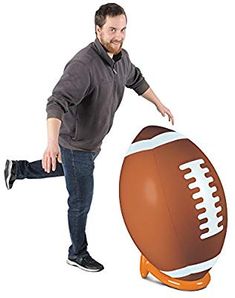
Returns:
(50,155)
(165,111)
(52,151)
(151,96)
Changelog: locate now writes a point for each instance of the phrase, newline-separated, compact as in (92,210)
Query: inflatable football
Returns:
(174,207)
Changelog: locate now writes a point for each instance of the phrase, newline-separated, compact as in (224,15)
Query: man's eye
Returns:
(113,29)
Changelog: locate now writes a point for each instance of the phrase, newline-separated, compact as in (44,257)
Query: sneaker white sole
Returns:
(83,268)
(9,174)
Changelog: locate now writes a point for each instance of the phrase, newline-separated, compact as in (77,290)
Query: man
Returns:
(80,113)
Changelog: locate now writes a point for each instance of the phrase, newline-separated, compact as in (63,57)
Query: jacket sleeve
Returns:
(135,79)
(72,87)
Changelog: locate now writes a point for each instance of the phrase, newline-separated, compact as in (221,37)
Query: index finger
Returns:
(171,117)
(53,160)
(48,164)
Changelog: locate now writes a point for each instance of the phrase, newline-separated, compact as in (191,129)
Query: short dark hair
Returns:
(109,9)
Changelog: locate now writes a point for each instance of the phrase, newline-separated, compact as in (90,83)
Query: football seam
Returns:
(167,206)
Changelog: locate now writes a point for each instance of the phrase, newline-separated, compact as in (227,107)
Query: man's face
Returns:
(112,33)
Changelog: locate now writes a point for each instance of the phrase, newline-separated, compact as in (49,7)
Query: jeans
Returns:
(77,167)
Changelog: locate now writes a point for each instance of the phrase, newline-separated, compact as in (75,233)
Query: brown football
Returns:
(173,203)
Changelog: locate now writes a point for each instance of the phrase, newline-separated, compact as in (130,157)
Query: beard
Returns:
(113,46)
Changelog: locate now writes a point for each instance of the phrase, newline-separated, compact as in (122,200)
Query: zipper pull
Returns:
(114,70)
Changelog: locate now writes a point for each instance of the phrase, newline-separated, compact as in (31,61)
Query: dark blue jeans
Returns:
(77,167)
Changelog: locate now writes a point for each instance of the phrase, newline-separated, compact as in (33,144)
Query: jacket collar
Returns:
(104,55)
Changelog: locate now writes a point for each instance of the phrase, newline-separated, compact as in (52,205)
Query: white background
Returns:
(185,50)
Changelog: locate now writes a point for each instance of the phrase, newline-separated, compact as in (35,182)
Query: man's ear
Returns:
(97,29)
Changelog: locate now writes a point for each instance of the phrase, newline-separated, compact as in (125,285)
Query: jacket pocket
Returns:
(77,133)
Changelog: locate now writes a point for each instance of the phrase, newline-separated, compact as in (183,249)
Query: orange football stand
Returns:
(146,267)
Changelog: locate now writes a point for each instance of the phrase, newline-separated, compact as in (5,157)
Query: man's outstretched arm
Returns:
(151,96)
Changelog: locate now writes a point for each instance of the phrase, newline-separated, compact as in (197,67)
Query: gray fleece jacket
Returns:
(88,94)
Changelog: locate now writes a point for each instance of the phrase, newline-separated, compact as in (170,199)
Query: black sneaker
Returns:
(10,173)
(86,263)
